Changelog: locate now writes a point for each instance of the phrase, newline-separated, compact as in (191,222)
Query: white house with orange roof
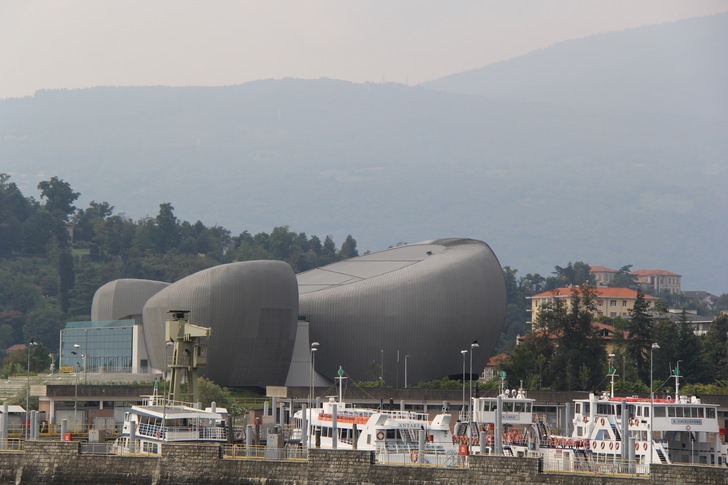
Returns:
(610,302)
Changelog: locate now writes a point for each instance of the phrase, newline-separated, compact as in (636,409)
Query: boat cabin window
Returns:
(603,408)
(646,412)
(578,408)
(711,413)
(585,409)
(523,407)
(392,434)
(660,412)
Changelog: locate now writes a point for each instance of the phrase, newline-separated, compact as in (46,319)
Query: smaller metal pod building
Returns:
(419,303)
(123,298)
(252,308)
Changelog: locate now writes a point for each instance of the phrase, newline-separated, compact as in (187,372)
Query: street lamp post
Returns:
(405,370)
(85,357)
(314,348)
(652,396)
(31,344)
(75,392)
(473,346)
(464,353)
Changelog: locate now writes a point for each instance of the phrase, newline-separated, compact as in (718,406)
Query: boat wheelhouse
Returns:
(159,420)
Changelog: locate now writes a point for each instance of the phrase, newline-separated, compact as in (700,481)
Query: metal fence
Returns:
(259,452)
(415,458)
(595,467)
(12,444)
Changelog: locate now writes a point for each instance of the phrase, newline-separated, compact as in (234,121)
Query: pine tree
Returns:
(640,336)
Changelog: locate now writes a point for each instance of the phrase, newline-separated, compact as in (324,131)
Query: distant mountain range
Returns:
(540,156)
(674,68)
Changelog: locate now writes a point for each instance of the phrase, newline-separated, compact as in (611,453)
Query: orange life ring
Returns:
(380,435)
(611,446)
(602,444)
(586,419)
(602,421)
(616,445)
(413,456)
(636,446)
(644,446)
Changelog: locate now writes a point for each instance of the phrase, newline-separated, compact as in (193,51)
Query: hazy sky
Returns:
(83,43)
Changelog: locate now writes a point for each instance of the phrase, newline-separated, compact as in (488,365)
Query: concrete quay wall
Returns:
(60,463)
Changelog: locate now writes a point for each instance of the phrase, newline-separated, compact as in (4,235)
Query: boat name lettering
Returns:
(511,416)
(697,422)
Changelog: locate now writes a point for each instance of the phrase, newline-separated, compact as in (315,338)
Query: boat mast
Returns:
(341,378)
(676,375)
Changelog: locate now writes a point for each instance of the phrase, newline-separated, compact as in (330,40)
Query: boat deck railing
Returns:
(185,433)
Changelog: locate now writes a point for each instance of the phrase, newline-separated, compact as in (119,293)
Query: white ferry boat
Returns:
(521,428)
(404,436)
(683,429)
(159,420)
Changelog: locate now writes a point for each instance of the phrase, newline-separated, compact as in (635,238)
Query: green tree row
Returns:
(48,277)
(567,351)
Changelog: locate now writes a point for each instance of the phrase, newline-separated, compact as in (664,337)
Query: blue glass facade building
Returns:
(103,346)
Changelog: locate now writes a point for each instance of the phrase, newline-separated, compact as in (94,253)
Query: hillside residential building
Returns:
(652,280)
(602,276)
(611,302)
(658,280)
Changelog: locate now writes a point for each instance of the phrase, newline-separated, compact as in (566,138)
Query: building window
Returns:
(612,302)
(624,302)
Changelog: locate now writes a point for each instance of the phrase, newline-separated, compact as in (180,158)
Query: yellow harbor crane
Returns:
(190,353)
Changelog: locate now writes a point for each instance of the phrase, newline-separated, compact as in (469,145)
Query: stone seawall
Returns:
(60,463)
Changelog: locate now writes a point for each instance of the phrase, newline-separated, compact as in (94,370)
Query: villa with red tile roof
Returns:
(610,302)
(653,280)
(602,276)
(658,280)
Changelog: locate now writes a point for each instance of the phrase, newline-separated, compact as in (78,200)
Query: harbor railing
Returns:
(597,467)
(260,452)
(416,458)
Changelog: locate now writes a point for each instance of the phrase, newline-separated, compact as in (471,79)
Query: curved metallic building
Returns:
(123,299)
(252,308)
(420,304)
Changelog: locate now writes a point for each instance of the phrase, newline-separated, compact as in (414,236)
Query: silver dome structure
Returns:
(427,301)
(123,298)
(252,308)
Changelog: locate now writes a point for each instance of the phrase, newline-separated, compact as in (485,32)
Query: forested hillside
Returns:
(46,279)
